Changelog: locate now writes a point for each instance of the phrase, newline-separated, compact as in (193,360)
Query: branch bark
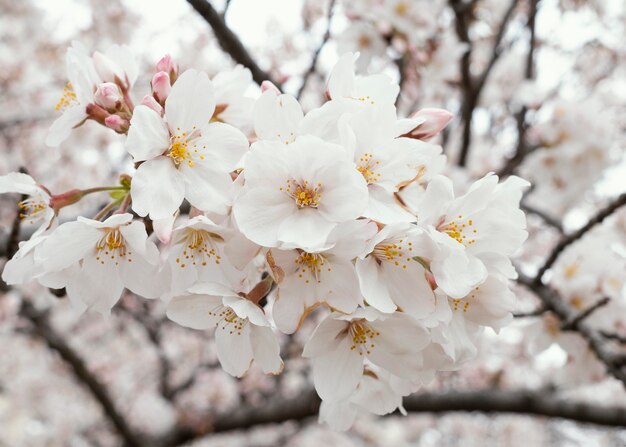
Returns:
(570,239)
(527,402)
(57,343)
(229,41)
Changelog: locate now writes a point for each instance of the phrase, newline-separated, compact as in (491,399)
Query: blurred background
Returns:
(538,89)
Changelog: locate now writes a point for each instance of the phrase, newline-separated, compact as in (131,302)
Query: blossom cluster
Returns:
(250,216)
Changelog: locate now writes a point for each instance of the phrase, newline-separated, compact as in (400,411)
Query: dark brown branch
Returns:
(533,313)
(57,343)
(229,41)
(570,239)
(573,324)
(316,54)
(533,403)
(522,149)
(551,221)
(472,86)
(619,338)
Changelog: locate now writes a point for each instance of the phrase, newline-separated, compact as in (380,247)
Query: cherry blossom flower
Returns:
(96,260)
(36,209)
(341,343)
(306,279)
(295,195)
(190,158)
(117,65)
(242,333)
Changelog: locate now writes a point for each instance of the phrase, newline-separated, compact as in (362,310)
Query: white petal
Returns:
(63,125)
(148,136)
(225,145)
(266,349)
(373,286)
(325,337)
(277,117)
(192,311)
(234,349)
(336,374)
(190,103)
(207,188)
(260,211)
(157,188)
(305,229)
(97,285)
(68,244)
(246,309)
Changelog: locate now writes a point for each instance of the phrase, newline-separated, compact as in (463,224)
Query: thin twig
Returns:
(316,53)
(56,342)
(572,324)
(549,220)
(229,41)
(570,239)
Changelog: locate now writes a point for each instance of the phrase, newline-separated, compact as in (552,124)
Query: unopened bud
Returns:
(117,123)
(161,86)
(149,101)
(434,121)
(168,65)
(96,112)
(267,85)
(108,96)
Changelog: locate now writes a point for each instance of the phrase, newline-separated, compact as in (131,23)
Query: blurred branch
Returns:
(57,343)
(316,54)
(595,340)
(570,239)
(522,149)
(571,325)
(229,41)
(472,86)
(551,221)
(533,403)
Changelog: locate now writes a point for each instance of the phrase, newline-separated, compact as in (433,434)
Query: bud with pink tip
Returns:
(117,123)
(150,102)
(161,86)
(433,122)
(168,65)
(108,96)
(267,85)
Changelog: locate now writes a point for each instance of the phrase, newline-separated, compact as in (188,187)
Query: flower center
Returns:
(304,194)
(198,247)
(68,99)
(396,252)
(311,263)
(32,210)
(366,167)
(362,335)
(228,319)
(401,8)
(112,247)
(184,148)
(458,229)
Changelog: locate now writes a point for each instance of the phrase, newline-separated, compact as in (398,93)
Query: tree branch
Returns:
(56,342)
(470,86)
(532,403)
(316,54)
(229,41)
(570,239)
(613,361)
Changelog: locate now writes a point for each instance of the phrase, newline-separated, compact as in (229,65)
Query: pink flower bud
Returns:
(161,86)
(435,121)
(96,112)
(149,101)
(267,85)
(168,65)
(107,69)
(117,123)
(108,96)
